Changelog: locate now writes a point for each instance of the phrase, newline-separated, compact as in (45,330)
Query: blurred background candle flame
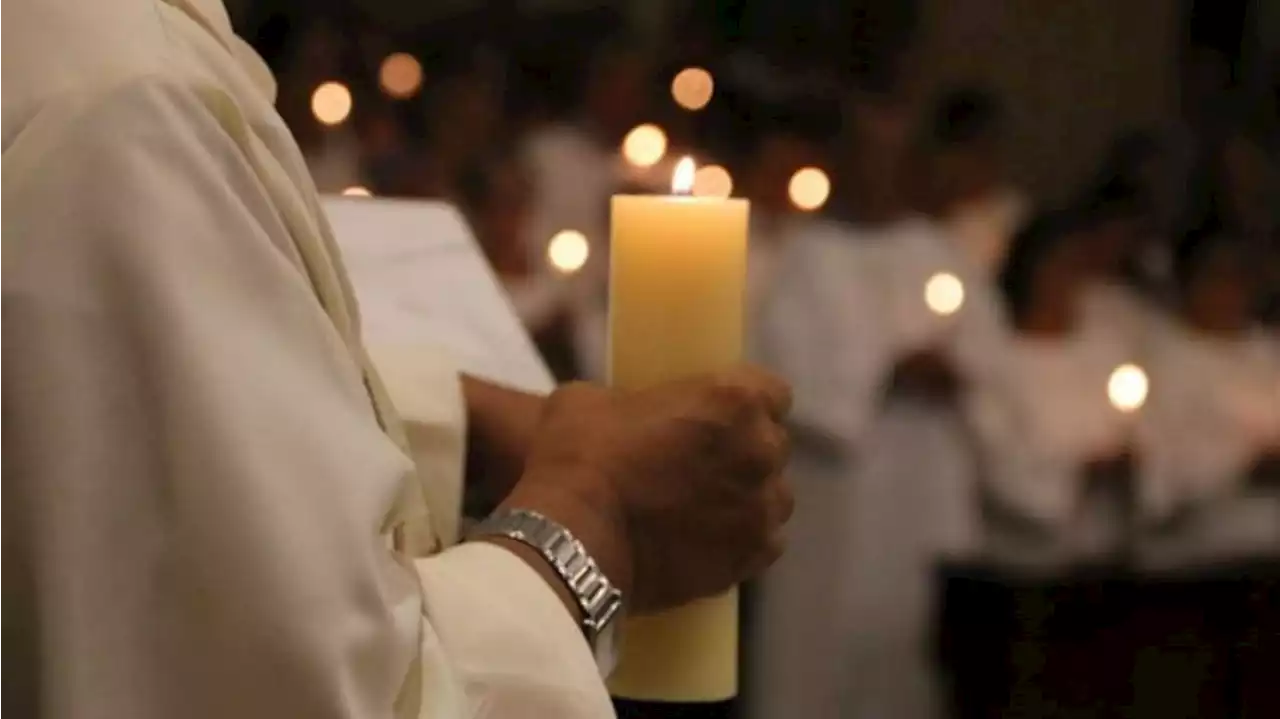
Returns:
(712,181)
(692,88)
(809,188)
(645,145)
(568,251)
(400,75)
(331,103)
(1127,387)
(944,293)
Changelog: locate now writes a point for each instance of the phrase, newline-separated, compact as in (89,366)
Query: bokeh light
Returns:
(809,188)
(692,88)
(357,191)
(944,294)
(712,181)
(568,251)
(1127,387)
(400,75)
(645,145)
(331,103)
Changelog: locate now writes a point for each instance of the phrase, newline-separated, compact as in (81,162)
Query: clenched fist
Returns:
(677,490)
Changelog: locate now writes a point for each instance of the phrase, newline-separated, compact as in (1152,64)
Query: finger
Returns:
(765,451)
(767,388)
(781,501)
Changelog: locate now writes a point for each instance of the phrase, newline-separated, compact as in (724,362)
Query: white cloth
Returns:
(914,487)
(200,495)
(1038,424)
(1214,410)
(807,332)
(881,490)
(574,177)
(902,258)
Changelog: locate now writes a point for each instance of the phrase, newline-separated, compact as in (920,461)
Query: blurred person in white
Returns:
(1056,454)
(882,465)
(1210,482)
(965,185)
(915,479)
(1115,222)
(807,330)
(576,163)
(215,506)
(774,156)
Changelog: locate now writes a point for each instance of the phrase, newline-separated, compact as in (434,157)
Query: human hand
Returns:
(928,374)
(501,423)
(676,490)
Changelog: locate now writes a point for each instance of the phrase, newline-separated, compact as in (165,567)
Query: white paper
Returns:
(420,278)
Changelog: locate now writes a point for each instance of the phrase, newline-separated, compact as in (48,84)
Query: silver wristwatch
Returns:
(601,602)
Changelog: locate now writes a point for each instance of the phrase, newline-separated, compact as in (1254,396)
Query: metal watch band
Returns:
(595,594)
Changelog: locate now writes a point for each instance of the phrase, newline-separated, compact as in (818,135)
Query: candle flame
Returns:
(682,180)
(400,75)
(809,188)
(568,251)
(645,145)
(692,88)
(1127,388)
(944,294)
(712,181)
(331,103)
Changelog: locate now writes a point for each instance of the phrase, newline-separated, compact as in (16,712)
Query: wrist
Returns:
(590,512)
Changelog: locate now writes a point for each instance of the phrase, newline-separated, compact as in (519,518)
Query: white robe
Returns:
(832,356)
(914,487)
(203,472)
(882,492)
(1214,411)
(573,178)
(1038,424)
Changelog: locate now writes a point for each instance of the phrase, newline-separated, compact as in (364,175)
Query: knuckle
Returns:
(728,394)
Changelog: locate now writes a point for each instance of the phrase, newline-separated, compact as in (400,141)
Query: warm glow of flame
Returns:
(692,88)
(400,75)
(682,178)
(809,188)
(1127,388)
(712,181)
(944,294)
(568,251)
(645,145)
(357,191)
(331,103)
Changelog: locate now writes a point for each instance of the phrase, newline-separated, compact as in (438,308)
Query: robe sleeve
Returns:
(1020,471)
(202,485)
(1192,451)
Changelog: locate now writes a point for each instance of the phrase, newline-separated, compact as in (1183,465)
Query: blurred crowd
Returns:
(986,381)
